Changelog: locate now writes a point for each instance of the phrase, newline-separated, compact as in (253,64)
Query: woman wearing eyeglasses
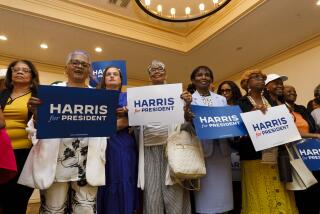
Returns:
(160,193)
(232,93)
(21,83)
(307,200)
(262,190)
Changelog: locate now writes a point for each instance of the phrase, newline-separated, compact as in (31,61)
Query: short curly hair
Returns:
(246,76)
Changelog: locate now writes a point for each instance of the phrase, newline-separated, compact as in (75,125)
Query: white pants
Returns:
(68,197)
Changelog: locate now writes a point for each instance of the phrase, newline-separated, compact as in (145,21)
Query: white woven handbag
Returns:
(185,155)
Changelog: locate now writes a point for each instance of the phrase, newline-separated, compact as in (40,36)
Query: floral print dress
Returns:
(72,160)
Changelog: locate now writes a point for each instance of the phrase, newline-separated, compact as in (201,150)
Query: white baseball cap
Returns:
(271,77)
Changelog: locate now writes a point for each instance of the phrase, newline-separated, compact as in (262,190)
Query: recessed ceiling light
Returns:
(318,2)
(43,46)
(98,49)
(3,38)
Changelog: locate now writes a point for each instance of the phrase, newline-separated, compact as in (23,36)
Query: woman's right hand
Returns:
(33,104)
(262,108)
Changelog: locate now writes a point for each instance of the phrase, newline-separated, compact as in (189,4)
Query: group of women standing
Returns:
(136,156)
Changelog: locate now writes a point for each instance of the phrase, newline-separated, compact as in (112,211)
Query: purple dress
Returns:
(119,195)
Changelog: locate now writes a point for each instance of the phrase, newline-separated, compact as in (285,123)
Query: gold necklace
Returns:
(264,101)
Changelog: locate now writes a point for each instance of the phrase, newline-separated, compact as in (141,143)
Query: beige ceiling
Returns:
(241,35)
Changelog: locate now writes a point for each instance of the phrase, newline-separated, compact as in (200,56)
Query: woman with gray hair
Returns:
(68,171)
(161,195)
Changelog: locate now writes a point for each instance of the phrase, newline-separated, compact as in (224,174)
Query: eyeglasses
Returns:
(75,63)
(155,70)
(227,91)
(24,70)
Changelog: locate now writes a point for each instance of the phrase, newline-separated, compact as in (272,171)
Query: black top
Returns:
(246,148)
(312,104)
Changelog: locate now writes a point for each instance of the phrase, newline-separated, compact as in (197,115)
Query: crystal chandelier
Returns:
(181,10)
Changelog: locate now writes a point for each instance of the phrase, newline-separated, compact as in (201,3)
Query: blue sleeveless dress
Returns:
(120,194)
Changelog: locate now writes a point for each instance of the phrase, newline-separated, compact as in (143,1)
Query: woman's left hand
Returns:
(121,112)
(187,97)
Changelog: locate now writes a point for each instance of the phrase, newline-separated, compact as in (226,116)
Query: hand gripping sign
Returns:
(157,104)
(76,112)
(274,128)
(218,122)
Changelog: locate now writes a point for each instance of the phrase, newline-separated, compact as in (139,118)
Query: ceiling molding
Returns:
(82,16)
(78,16)
(232,13)
(104,11)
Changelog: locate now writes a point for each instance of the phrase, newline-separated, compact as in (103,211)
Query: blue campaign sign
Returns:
(218,122)
(98,68)
(68,112)
(309,150)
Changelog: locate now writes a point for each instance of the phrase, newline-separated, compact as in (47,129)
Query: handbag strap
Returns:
(296,151)
(293,154)
(178,127)
(289,152)
(191,187)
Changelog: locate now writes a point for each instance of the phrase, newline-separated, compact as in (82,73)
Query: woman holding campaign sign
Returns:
(262,190)
(215,195)
(66,170)
(232,93)
(21,83)
(119,195)
(307,200)
(161,195)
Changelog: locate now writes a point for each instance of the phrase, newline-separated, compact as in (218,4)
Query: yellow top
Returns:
(16,117)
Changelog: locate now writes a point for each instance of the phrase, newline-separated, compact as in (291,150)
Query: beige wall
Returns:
(47,78)
(303,71)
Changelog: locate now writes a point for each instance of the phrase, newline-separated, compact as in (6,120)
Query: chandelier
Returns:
(181,10)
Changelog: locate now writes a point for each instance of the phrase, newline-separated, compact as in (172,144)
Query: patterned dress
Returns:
(70,192)
(262,190)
